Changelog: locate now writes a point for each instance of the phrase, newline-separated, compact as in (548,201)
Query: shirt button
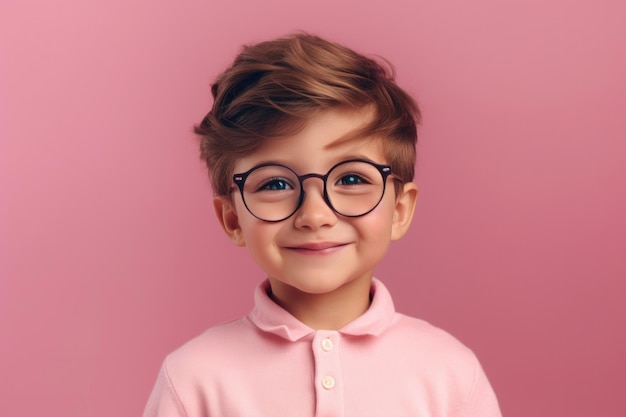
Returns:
(328,382)
(327,345)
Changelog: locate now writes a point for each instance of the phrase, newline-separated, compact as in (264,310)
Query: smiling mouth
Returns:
(318,248)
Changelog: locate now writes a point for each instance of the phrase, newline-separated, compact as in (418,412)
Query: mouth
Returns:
(318,248)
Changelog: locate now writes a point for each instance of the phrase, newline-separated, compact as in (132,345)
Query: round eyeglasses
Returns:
(274,192)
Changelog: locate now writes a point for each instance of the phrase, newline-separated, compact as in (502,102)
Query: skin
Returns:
(319,264)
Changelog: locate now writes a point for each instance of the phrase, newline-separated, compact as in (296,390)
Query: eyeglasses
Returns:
(274,192)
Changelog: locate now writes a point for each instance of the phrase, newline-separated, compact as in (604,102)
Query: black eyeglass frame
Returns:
(385,172)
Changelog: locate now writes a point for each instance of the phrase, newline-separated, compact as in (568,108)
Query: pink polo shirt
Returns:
(269,364)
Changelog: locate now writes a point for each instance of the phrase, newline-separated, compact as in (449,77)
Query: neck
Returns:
(327,311)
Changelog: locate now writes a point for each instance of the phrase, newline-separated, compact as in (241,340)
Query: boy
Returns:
(311,151)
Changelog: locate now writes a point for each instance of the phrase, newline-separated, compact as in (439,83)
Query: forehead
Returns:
(325,139)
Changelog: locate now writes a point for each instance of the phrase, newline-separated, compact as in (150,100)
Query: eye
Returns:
(352,179)
(275,184)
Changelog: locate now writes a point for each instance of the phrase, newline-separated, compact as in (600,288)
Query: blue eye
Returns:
(351,179)
(275,184)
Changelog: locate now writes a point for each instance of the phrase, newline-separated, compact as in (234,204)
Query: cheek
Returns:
(376,225)
(247,222)
(260,236)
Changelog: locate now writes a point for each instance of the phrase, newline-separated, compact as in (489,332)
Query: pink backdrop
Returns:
(110,256)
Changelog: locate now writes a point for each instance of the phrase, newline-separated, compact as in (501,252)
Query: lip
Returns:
(317,248)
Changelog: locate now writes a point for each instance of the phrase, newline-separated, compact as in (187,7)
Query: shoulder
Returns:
(211,349)
(452,370)
(195,368)
(421,329)
(415,337)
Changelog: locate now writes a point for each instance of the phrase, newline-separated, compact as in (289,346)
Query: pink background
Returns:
(110,256)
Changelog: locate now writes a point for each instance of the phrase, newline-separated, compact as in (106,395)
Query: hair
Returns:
(273,87)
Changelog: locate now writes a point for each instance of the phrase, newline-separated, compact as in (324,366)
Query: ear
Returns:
(404,209)
(227,216)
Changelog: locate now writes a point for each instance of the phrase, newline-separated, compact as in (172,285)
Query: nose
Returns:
(314,212)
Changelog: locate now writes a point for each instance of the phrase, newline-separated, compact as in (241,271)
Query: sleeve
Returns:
(482,401)
(164,401)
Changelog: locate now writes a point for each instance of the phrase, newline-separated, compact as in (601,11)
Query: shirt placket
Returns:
(328,376)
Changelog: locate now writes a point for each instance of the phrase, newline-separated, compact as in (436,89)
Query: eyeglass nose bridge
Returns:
(324,178)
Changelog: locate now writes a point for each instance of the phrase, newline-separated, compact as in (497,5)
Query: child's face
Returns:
(317,251)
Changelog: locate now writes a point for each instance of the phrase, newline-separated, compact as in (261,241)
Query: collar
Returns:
(270,317)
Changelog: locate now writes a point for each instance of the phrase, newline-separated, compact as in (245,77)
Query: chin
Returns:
(321,286)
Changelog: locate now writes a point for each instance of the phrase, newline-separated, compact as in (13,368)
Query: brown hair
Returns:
(274,86)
